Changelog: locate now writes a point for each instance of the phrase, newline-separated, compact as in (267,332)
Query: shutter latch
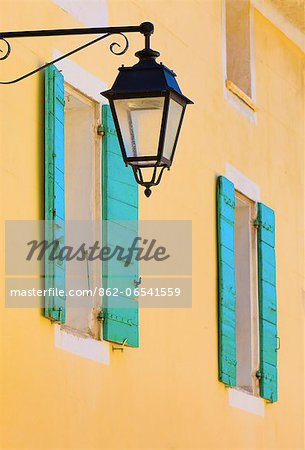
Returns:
(137,282)
(59,313)
(121,347)
(53,319)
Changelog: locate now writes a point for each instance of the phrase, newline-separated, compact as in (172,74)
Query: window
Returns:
(246,294)
(247,307)
(77,189)
(82,204)
(238,50)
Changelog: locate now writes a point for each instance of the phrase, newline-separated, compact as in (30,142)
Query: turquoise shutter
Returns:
(267,302)
(54,189)
(120,227)
(226,281)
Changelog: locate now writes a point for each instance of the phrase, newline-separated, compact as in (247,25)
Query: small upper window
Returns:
(238,48)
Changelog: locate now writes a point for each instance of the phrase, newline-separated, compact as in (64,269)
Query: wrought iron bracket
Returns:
(145,28)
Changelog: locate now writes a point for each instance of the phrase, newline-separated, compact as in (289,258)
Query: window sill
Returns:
(82,345)
(241,95)
(246,402)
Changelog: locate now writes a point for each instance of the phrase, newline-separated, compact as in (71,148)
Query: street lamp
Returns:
(148,108)
(145,99)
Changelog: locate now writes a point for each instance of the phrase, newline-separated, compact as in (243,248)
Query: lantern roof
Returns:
(146,78)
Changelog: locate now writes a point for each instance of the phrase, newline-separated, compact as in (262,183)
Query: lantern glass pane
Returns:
(173,120)
(140,124)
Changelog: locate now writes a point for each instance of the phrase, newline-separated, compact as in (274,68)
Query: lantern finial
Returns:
(147,192)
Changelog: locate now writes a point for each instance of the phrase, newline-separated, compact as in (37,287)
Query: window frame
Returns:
(94,322)
(254,304)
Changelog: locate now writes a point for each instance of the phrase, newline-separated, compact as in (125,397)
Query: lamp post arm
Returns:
(71,31)
(146,28)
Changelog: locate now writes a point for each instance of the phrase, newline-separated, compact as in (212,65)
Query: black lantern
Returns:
(145,99)
(148,108)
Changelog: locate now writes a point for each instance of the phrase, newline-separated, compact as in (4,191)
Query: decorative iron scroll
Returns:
(113,45)
(5,53)
(116,44)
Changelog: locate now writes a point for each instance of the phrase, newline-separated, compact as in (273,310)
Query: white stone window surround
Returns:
(236,397)
(92,13)
(64,338)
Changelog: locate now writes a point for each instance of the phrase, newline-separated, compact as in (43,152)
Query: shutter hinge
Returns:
(101,130)
(101,315)
(258,375)
(258,223)
(229,201)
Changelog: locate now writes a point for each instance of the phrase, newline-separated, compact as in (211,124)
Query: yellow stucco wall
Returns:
(164,395)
